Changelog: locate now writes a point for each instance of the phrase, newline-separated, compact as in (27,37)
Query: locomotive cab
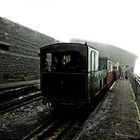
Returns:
(63,74)
(69,74)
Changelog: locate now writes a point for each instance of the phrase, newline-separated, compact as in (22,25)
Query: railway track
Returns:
(20,101)
(13,95)
(56,130)
(50,131)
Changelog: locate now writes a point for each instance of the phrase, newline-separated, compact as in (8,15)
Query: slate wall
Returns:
(19,48)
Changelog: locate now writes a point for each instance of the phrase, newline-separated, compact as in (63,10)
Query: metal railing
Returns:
(135,83)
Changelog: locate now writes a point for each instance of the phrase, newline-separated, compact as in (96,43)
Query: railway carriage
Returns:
(70,75)
(111,67)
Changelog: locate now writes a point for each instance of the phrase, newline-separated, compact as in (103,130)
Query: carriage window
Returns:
(102,63)
(109,66)
(63,61)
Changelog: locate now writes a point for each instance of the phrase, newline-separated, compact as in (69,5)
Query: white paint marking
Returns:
(112,86)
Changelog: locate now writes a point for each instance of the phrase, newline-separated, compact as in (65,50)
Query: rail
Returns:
(135,83)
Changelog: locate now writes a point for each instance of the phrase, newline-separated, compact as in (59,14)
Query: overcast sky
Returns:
(115,22)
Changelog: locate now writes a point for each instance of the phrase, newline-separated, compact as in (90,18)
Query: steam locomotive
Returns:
(73,74)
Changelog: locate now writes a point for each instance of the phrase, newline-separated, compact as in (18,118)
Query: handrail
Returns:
(135,83)
(135,77)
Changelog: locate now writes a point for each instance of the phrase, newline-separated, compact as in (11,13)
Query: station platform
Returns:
(117,118)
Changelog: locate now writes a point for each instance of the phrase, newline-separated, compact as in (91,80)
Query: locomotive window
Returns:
(63,61)
(93,62)
(48,61)
(66,59)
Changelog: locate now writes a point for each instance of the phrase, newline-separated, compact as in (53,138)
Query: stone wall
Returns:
(19,48)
